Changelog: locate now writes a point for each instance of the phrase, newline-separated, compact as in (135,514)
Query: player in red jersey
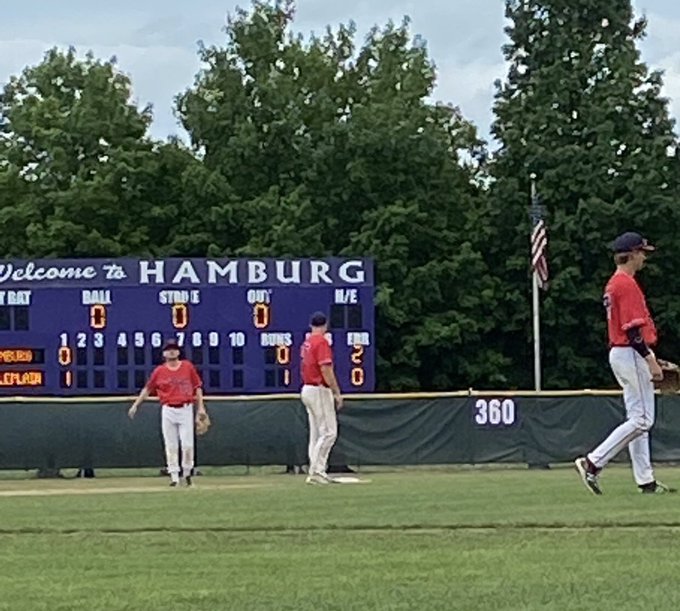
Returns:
(632,333)
(320,396)
(178,385)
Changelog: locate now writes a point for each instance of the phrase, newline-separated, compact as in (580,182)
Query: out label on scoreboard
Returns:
(96,327)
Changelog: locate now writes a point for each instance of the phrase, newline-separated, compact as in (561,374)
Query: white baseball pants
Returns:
(634,377)
(323,425)
(177,424)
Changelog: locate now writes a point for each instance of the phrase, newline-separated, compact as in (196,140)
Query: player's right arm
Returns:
(143,395)
(632,313)
(332,383)
(325,359)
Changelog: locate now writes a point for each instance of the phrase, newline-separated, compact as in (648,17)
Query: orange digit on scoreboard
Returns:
(180,316)
(283,355)
(65,356)
(98,316)
(357,354)
(261,315)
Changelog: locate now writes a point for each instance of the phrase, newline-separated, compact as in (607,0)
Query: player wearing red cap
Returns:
(320,395)
(632,333)
(178,385)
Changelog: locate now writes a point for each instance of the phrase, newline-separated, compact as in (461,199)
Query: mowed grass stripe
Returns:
(494,570)
(115,490)
(359,528)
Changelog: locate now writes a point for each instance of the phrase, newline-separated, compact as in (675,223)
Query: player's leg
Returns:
(639,450)
(307,397)
(310,395)
(328,429)
(623,365)
(640,460)
(639,407)
(185,416)
(171,443)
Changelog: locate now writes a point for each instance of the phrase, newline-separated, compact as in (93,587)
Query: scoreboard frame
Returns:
(94,327)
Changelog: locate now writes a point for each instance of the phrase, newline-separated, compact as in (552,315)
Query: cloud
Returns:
(469,85)
(158,73)
(155,42)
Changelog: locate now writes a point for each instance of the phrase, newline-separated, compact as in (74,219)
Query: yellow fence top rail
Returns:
(587,392)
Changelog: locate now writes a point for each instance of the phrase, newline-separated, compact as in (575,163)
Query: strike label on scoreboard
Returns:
(97,326)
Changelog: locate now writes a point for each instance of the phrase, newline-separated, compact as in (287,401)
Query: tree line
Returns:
(316,146)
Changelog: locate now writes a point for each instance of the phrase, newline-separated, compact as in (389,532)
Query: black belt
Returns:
(177,404)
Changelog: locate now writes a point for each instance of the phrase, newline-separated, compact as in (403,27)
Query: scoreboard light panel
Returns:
(97,326)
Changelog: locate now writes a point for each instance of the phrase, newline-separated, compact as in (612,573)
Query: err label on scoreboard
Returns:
(96,326)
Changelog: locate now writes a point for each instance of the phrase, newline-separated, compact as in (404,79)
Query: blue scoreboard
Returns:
(73,327)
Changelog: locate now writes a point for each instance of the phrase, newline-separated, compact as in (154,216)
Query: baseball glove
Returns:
(202,424)
(671,378)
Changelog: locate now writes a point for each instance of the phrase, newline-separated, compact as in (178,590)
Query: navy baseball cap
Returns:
(170,344)
(630,242)
(318,319)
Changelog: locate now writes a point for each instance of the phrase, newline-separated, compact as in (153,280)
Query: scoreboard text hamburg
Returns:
(96,327)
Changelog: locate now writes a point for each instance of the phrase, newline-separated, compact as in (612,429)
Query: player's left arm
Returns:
(198,390)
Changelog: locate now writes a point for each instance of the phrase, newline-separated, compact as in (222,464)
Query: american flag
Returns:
(539,244)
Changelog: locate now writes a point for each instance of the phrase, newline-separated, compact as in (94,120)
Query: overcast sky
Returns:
(155,41)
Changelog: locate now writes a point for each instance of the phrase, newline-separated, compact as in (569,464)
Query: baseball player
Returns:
(321,396)
(631,333)
(178,385)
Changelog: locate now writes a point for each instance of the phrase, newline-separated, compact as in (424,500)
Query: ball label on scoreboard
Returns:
(96,327)
(96,297)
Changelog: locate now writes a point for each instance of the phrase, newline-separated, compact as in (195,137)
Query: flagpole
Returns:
(536,309)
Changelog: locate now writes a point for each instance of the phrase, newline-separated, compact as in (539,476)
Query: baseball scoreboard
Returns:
(71,327)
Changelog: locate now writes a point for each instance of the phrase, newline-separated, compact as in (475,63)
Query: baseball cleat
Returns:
(656,488)
(589,479)
(173,484)
(316,478)
(329,480)
(188,481)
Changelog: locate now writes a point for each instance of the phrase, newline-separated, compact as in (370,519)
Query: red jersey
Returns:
(627,308)
(174,387)
(316,351)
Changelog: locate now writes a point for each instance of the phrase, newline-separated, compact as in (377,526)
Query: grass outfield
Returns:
(413,539)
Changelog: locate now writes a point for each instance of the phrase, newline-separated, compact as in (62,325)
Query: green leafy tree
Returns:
(334,149)
(580,110)
(73,148)
(79,175)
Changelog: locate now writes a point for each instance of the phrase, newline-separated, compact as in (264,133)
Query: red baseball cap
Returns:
(170,344)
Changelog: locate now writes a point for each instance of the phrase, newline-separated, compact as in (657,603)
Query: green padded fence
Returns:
(373,430)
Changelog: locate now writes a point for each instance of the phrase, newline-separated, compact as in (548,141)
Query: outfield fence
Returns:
(467,427)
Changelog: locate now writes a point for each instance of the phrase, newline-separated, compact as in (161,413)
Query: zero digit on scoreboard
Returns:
(260,299)
(98,316)
(65,356)
(180,315)
(283,355)
(261,315)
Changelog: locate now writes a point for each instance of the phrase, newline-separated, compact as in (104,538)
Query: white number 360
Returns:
(495,412)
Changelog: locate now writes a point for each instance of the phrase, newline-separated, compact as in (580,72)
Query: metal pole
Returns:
(537,335)
(536,309)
